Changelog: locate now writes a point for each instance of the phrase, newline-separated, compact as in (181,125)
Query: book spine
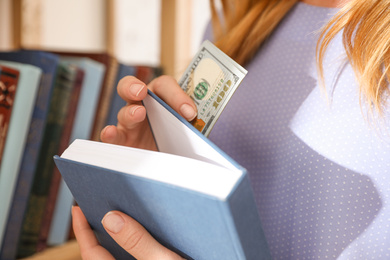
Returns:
(8,85)
(253,244)
(147,73)
(82,129)
(106,94)
(37,200)
(48,63)
(111,64)
(56,176)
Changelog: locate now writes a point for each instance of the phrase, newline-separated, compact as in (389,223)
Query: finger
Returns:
(131,89)
(109,135)
(129,117)
(88,243)
(134,238)
(168,90)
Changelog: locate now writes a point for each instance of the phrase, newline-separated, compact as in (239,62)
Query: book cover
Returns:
(105,97)
(191,196)
(82,128)
(56,176)
(28,84)
(148,73)
(57,115)
(90,94)
(8,83)
(47,62)
(107,89)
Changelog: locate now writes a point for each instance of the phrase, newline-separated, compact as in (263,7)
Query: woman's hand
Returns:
(127,232)
(133,129)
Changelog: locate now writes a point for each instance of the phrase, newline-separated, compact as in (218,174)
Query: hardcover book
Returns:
(47,62)
(82,128)
(108,86)
(28,84)
(191,196)
(8,83)
(56,176)
(57,115)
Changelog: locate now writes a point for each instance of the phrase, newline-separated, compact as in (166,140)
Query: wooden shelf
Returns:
(68,251)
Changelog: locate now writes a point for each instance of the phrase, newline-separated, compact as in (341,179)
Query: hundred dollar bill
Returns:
(210,80)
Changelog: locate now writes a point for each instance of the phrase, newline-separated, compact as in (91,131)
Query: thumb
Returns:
(134,238)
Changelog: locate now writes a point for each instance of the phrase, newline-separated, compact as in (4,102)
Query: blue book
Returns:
(82,128)
(47,62)
(35,212)
(27,87)
(191,196)
(116,101)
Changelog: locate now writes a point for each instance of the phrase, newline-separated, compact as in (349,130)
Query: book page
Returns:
(174,135)
(180,171)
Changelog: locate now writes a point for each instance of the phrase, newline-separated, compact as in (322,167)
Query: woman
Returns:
(316,145)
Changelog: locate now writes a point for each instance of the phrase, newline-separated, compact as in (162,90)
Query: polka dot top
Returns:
(319,167)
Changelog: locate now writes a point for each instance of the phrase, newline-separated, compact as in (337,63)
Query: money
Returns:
(210,80)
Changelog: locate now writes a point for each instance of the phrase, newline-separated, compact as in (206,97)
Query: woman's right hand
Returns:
(133,128)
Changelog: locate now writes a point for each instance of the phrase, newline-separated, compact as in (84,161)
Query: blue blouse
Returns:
(320,168)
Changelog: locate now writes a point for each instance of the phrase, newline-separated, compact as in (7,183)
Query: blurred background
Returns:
(162,33)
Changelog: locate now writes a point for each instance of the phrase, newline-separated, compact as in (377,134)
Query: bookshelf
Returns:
(67,251)
(160,34)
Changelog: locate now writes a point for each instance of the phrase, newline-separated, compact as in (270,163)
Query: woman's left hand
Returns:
(127,232)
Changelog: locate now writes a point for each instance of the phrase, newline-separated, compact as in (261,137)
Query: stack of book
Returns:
(47,100)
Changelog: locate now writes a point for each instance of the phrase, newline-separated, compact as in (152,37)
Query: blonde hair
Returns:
(246,24)
(365,25)
(366,39)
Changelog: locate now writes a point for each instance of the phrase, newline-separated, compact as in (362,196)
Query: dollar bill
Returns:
(210,80)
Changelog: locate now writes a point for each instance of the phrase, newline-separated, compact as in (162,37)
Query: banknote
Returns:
(210,80)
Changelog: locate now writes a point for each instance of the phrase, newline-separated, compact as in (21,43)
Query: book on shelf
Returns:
(107,89)
(90,94)
(148,73)
(106,93)
(47,62)
(57,115)
(56,176)
(28,83)
(8,85)
(82,128)
(191,196)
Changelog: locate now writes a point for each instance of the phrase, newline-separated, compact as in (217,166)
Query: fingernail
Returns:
(135,89)
(188,112)
(104,129)
(133,109)
(113,222)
